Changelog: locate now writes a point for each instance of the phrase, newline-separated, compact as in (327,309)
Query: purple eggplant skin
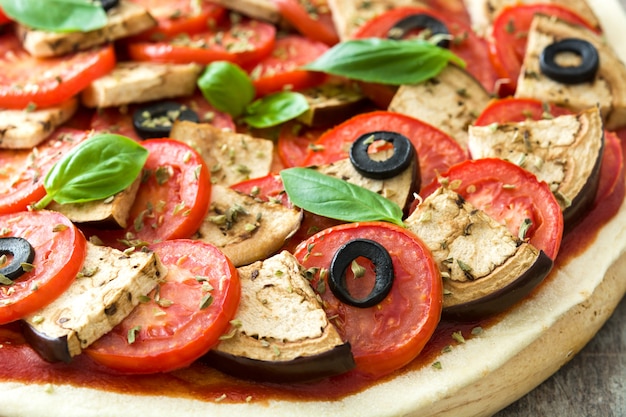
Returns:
(504,298)
(585,199)
(303,369)
(51,349)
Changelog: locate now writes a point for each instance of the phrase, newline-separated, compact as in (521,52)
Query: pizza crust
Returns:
(477,378)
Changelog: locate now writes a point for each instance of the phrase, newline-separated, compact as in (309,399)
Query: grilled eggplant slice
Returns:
(607,88)
(485,268)
(281,332)
(565,152)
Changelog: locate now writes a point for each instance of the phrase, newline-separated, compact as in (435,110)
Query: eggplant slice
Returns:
(607,89)
(280,332)
(565,152)
(246,229)
(485,268)
(451,102)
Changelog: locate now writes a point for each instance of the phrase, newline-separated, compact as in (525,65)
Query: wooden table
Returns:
(592,384)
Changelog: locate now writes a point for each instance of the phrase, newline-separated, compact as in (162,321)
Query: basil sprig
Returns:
(229,89)
(97,168)
(385,61)
(56,15)
(331,197)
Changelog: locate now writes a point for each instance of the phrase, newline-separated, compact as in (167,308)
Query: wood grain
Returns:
(592,384)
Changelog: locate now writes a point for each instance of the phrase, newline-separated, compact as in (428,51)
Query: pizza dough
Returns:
(477,378)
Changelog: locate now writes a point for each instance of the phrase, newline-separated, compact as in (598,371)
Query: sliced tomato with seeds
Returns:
(393,332)
(28,81)
(172,200)
(183,317)
(473,49)
(510,36)
(59,254)
(244,43)
(22,171)
(281,69)
(312,18)
(510,195)
(180,17)
(436,150)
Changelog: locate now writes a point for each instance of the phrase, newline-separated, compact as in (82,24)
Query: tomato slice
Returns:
(281,69)
(612,166)
(294,141)
(511,195)
(392,333)
(510,35)
(184,317)
(473,49)
(172,200)
(244,43)
(54,81)
(436,150)
(180,17)
(312,18)
(120,120)
(3,17)
(513,109)
(59,254)
(22,171)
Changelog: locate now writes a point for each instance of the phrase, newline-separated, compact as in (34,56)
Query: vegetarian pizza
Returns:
(317,207)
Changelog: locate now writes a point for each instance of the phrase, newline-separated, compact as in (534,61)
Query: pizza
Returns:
(154,297)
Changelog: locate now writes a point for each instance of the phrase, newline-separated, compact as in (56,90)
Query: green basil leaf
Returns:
(275,109)
(218,82)
(97,168)
(56,15)
(385,61)
(331,197)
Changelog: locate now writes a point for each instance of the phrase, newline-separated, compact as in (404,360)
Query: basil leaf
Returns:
(385,61)
(218,82)
(95,169)
(331,197)
(56,15)
(275,109)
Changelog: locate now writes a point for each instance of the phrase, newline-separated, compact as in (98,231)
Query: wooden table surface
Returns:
(592,384)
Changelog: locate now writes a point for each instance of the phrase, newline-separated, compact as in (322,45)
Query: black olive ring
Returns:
(586,71)
(162,109)
(342,259)
(108,4)
(420,21)
(21,252)
(403,155)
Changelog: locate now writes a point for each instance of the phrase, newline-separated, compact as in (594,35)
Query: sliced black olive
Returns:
(383,264)
(156,120)
(586,71)
(18,252)
(108,4)
(403,155)
(420,21)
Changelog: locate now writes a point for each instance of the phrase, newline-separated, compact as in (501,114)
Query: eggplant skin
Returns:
(51,349)
(504,298)
(302,369)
